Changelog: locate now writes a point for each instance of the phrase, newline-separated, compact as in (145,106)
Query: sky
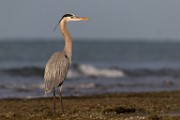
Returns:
(109,19)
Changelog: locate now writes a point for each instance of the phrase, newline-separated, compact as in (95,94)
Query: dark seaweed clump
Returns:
(119,110)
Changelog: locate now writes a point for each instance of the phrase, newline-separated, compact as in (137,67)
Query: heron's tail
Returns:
(47,88)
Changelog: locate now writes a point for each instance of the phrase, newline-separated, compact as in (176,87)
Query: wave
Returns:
(79,88)
(76,71)
(85,70)
(21,87)
(88,85)
(90,70)
(25,71)
(34,87)
(153,72)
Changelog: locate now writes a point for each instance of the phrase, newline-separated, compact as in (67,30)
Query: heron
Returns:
(59,63)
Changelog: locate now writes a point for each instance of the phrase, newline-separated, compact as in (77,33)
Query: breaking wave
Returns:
(76,71)
(92,71)
(85,70)
(86,79)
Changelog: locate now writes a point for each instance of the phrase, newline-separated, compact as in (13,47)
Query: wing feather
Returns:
(56,70)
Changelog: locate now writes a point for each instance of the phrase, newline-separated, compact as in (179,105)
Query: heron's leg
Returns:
(54,101)
(60,96)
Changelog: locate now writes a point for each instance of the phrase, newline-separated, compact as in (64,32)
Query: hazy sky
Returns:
(145,19)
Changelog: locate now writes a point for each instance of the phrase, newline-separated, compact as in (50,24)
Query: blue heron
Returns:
(59,63)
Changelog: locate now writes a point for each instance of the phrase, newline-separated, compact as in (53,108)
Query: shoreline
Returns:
(130,106)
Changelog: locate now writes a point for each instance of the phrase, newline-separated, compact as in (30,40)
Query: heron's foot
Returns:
(63,112)
(54,113)
(51,113)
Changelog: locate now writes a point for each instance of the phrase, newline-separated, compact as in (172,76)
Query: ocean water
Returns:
(97,67)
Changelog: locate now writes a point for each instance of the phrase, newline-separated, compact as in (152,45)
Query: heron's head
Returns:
(72,17)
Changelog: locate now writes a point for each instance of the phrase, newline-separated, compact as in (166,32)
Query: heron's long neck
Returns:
(67,38)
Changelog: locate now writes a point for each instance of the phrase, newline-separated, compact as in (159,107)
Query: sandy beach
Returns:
(120,106)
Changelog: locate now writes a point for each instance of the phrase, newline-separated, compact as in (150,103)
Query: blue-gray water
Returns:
(97,67)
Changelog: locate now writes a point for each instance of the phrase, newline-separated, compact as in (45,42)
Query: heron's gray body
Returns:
(56,70)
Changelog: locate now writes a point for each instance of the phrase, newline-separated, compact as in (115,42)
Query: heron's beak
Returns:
(82,18)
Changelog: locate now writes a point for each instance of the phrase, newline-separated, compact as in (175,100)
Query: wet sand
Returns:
(120,106)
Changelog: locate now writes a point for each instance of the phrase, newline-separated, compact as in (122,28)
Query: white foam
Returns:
(73,74)
(90,70)
(86,85)
(80,86)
